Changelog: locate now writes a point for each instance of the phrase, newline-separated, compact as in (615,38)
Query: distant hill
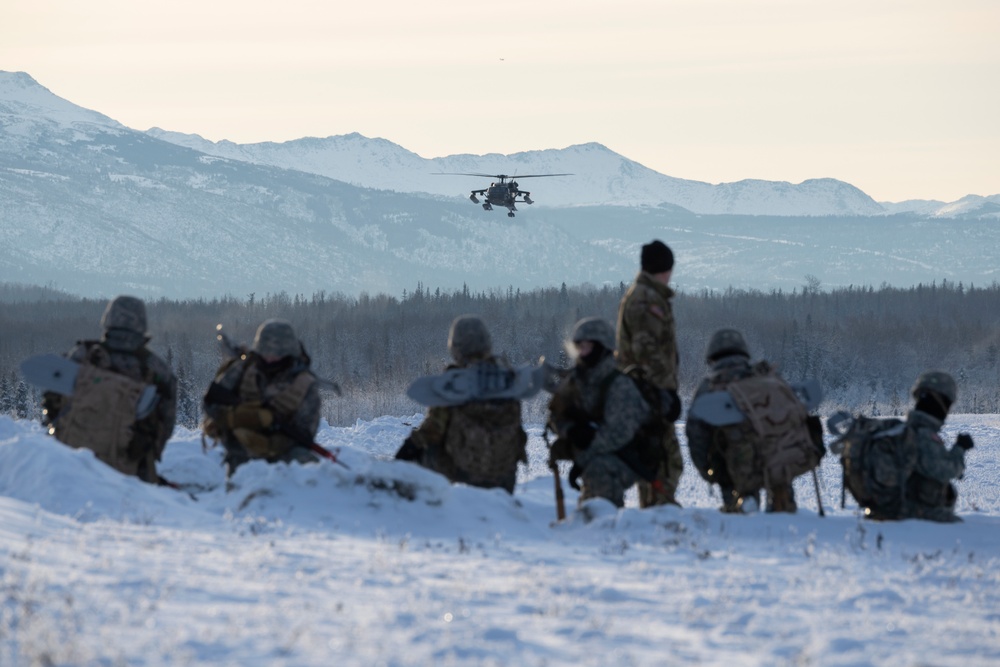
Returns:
(92,207)
(599,176)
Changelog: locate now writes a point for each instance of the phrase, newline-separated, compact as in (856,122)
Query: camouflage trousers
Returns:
(607,477)
(669,474)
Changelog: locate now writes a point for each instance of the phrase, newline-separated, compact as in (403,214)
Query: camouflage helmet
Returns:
(125,312)
(276,338)
(468,338)
(937,381)
(725,342)
(595,329)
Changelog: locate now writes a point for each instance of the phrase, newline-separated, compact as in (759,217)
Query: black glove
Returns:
(964,440)
(581,434)
(409,451)
(574,476)
(671,404)
(561,450)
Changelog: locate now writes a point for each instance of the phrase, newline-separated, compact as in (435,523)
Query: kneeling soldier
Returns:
(596,412)
(265,404)
(479,442)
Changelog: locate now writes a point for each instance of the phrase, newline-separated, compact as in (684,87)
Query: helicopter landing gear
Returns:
(510,214)
(487,207)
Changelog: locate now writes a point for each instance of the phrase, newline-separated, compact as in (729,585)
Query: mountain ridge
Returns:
(607,178)
(93,207)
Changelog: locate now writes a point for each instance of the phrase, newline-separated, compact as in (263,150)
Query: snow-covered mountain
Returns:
(970,207)
(96,208)
(599,176)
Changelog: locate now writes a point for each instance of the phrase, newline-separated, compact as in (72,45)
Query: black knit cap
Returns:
(657,257)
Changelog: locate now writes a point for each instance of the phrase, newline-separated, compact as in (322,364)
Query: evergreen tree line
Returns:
(866,345)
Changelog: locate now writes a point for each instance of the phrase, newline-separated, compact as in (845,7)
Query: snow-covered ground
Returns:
(387,564)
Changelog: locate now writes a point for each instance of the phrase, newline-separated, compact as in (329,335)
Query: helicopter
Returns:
(502,193)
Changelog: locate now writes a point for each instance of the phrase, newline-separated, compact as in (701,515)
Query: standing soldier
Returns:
(100,415)
(480,442)
(265,404)
(597,413)
(647,338)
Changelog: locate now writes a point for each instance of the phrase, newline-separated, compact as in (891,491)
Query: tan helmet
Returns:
(595,329)
(276,338)
(725,342)
(938,382)
(125,312)
(468,338)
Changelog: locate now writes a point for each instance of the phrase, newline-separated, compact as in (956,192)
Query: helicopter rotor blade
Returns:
(537,175)
(448,173)
(502,176)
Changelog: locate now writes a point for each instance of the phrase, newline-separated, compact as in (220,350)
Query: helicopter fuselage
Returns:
(505,193)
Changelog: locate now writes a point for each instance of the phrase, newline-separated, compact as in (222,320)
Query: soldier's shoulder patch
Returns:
(656,310)
(937,438)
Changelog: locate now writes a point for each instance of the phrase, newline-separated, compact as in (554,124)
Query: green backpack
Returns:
(877,460)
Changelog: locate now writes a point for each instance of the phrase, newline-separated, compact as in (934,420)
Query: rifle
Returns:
(327,454)
(819,499)
(554,467)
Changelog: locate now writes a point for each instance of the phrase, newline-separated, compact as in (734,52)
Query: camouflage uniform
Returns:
(122,350)
(265,404)
(647,337)
(479,443)
(921,462)
(705,442)
(723,455)
(929,492)
(609,401)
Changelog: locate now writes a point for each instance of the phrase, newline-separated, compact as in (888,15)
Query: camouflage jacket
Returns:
(934,466)
(617,419)
(246,380)
(701,435)
(647,335)
(128,355)
(478,443)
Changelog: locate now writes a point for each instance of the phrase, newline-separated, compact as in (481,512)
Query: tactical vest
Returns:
(773,444)
(100,415)
(282,399)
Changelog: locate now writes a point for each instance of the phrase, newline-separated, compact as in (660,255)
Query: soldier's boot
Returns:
(236,456)
(663,490)
(730,500)
(781,498)
(656,493)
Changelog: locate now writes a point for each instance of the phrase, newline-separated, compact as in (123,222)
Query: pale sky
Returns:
(898,97)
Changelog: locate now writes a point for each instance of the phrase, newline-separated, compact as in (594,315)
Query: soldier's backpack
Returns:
(876,462)
(485,441)
(100,415)
(777,440)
